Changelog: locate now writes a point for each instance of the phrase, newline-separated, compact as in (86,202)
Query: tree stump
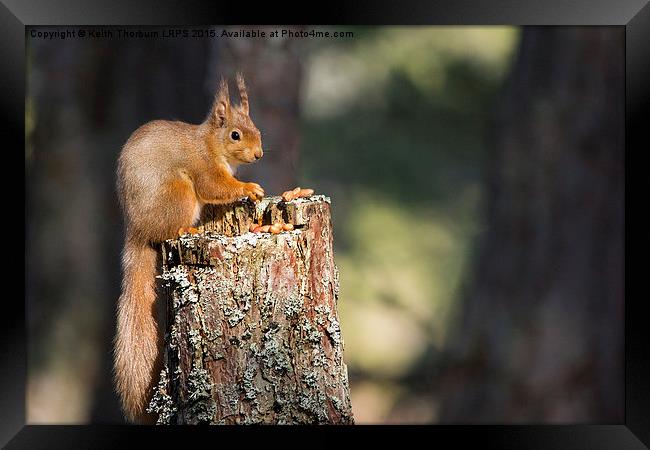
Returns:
(252,333)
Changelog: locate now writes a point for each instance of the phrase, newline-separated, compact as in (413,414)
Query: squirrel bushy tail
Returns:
(138,340)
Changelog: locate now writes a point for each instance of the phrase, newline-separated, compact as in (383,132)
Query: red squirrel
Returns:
(166,172)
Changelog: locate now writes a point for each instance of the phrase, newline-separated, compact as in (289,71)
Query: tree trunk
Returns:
(541,336)
(252,331)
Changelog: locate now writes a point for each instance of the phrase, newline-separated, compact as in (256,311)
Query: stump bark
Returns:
(252,334)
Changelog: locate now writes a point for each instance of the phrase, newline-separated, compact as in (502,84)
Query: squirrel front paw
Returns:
(253,191)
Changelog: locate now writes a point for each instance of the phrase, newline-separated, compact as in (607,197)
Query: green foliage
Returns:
(396,134)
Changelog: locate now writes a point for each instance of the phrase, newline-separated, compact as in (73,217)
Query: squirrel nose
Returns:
(258,153)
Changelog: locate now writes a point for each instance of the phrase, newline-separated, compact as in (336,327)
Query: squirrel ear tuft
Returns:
(222,103)
(243,94)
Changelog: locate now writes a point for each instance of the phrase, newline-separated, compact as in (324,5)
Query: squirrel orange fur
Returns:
(166,172)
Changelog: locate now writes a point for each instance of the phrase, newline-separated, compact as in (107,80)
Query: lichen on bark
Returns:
(253,334)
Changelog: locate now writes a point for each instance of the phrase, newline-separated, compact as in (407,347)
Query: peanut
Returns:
(275,229)
(287,196)
(306,192)
(264,228)
(253,227)
(287,227)
(296,191)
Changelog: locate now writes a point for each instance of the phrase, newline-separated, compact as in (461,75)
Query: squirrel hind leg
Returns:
(174,209)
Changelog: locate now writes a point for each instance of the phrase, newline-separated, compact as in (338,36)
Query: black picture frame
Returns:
(634,15)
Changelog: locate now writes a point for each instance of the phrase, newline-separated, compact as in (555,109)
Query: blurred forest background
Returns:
(476,177)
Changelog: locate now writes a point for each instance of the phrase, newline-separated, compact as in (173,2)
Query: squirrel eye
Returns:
(235,136)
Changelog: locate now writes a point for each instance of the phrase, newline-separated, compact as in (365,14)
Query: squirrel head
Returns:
(232,126)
